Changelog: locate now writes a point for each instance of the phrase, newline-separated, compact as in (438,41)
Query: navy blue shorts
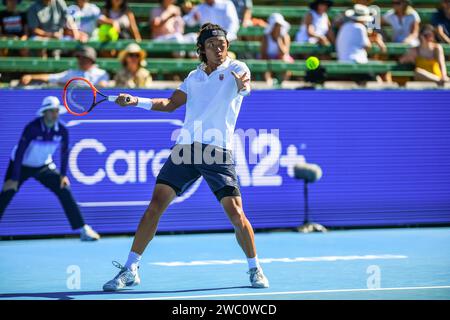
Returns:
(187,163)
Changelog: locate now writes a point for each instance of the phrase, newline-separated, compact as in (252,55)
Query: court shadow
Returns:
(70,295)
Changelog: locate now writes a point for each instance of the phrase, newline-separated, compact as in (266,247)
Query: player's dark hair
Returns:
(200,45)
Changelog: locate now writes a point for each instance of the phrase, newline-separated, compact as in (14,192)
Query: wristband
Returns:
(145,103)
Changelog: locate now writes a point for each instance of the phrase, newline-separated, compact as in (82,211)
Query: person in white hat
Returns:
(133,74)
(352,40)
(276,43)
(32,157)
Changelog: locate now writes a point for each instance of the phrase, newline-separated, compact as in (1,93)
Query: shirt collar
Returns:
(224,65)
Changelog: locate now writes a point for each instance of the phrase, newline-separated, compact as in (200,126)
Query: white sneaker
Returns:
(257,278)
(125,278)
(88,234)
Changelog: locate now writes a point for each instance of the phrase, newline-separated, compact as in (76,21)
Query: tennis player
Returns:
(213,95)
(32,157)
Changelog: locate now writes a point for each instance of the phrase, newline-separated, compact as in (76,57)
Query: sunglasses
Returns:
(134,55)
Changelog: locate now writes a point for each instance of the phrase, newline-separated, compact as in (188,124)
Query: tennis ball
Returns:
(312,63)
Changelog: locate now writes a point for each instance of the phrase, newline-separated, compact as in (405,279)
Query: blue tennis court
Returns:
(351,264)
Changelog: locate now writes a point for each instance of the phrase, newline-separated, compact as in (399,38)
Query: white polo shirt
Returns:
(351,41)
(213,104)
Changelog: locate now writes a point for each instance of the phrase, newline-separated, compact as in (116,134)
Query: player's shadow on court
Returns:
(70,295)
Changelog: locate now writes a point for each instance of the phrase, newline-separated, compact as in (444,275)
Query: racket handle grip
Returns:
(114,98)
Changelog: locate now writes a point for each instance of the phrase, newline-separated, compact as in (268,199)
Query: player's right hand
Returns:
(10,185)
(126,100)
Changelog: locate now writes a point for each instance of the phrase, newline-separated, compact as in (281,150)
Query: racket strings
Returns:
(79,96)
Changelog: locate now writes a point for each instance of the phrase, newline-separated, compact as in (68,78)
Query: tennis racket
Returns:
(81,97)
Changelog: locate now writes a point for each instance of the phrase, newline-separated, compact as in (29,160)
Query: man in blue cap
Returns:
(32,157)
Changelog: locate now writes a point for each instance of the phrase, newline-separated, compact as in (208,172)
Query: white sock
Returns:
(133,261)
(253,263)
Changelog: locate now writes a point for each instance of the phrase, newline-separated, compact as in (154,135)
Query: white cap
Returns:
(275,18)
(51,102)
(360,13)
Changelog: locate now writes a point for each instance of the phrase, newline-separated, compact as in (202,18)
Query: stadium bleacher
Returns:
(292,10)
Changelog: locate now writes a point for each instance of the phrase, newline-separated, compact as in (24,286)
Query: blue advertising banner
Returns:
(385,157)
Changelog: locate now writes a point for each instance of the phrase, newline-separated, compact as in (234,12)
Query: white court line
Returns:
(288,292)
(114,203)
(270,260)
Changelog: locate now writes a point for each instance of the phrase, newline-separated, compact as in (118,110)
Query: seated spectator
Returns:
(47,19)
(404,21)
(352,40)
(133,73)
(244,12)
(85,16)
(13,24)
(168,25)
(185,5)
(87,68)
(117,14)
(166,22)
(340,18)
(276,43)
(316,26)
(221,12)
(428,58)
(441,21)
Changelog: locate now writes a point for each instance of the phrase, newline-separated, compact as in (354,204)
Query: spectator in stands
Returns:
(244,11)
(133,74)
(185,5)
(340,18)
(276,43)
(316,26)
(221,12)
(47,19)
(441,21)
(166,22)
(428,58)
(353,40)
(117,14)
(87,68)
(85,16)
(404,21)
(13,24)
